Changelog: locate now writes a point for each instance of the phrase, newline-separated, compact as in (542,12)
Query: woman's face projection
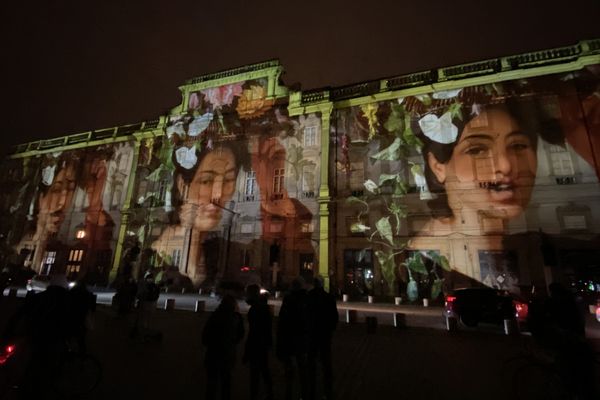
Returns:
(212,187)
(492,168)
(54,202)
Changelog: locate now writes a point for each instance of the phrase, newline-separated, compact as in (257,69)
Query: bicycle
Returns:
(77,373)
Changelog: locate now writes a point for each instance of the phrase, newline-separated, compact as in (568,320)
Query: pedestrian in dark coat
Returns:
(258,342)
(222,332)
(322,321)
(292,338)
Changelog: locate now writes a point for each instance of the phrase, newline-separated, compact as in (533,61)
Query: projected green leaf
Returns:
(391,153)
(385,229)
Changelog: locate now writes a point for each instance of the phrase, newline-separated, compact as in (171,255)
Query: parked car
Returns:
(39,283)
(482,304)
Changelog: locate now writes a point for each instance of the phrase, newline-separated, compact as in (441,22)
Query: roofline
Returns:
(536,63)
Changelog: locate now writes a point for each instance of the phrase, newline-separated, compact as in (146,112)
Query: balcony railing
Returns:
(565,180)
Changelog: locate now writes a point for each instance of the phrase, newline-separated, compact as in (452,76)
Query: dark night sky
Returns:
(72,66)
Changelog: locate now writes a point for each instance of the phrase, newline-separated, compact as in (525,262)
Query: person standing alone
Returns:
(258,342)
(322,321)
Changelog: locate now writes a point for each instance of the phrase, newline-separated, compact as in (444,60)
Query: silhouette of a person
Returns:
(322,321)
(258,342)
(222,332)
(43,324)
(292,338)
(573,354)
(81,304)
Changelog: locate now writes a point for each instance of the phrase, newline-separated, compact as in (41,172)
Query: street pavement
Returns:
(412,362)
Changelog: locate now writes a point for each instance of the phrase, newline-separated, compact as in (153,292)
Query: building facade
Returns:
(483,173)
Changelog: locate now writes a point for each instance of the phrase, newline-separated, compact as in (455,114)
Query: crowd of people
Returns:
(304,331)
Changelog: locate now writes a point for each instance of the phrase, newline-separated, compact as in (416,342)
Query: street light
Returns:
(80,232)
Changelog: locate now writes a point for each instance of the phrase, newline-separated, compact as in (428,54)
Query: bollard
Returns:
(170,304)
(371,324)
(425,302)
(397,300)
(94,301)
(182,290)
(277,294)
(510,327)
(451,324)
(350,316)
(114,301)
(370,299)
(345,298)
(200,306)
(399,320)
(199,291)
(12,292)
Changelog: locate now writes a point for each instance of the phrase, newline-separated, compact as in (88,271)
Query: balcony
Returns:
(565,180)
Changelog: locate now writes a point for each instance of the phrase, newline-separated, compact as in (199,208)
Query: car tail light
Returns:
(449,301)
(6,353)
(521,310)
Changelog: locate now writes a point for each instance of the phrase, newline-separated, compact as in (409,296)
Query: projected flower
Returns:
(176,128)
(199,124)
(186,157)
(253,102)
(371,186)
(446,94)
(441,129)
(48,175)
(222,95)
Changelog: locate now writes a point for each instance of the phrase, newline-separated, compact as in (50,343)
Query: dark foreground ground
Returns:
(416,363)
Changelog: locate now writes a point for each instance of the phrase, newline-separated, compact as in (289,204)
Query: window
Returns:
(575,222)
(308,182)
(75,255)
(307,227)
(80,198)
(560,160)
(250,186)
(48,262)
(278,180)
(247,228)
(499,269)
(310,136)
(118,192)
(161,193)
(176,257)
(74,263)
